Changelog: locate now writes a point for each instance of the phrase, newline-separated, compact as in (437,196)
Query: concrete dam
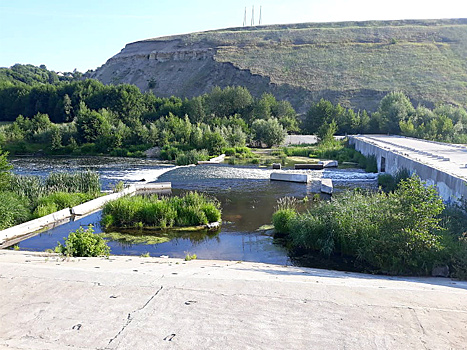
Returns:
(443,165)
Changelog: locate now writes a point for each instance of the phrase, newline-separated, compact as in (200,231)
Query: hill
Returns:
(354,63)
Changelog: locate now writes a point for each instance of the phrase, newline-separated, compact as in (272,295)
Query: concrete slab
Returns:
(326,186)
(290,177)
(151,303)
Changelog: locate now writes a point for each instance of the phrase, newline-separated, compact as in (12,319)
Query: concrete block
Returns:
(276,166)
(329,163)
(309,166)
(302,178)
(326,186)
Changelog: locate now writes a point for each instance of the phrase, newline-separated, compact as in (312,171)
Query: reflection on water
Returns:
(246,194)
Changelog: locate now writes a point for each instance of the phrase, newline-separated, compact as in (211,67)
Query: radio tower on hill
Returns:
(252,22)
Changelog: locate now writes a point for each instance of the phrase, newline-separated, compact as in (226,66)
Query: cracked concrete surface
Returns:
(152,303)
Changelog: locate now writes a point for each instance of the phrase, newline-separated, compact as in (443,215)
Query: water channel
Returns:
(246,194)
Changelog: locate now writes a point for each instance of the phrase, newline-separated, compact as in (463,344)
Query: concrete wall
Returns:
(451,188)
(33,225)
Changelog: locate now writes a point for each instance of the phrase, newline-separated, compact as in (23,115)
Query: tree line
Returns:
(395,115)
(70,115)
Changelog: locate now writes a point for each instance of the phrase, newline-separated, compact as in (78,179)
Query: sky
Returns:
(82,34)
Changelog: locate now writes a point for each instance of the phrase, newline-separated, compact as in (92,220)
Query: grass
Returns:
(28,197)
(192,209)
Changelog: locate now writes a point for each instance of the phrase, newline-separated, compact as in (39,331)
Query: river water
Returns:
(246,194)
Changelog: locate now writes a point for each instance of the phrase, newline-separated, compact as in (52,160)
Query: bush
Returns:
(83,243)
(396,233)
(281,220)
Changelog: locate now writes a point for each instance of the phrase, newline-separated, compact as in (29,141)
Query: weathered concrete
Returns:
(439,164)
(303,178)
(329,163)
(11,234)
(326,186)
(152,303)
(300,140)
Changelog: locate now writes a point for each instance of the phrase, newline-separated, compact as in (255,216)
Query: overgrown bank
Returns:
(408,231)
(24,198)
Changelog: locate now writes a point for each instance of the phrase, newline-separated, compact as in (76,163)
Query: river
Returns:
(246,194)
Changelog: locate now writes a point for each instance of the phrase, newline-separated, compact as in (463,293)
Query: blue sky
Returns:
(69,34)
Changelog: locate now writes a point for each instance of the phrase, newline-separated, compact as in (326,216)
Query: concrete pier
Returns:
(123,302)
(439,164)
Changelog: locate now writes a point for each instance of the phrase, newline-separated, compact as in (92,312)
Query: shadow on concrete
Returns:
(312,272)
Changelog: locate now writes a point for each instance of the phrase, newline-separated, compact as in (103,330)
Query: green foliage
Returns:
(83,243)
(189,257)
(13,209)
(193,209)
(281,219)
(388,183)
(396,233)
(58,201)
(191,157)
(269,132)
(5,168)
(393,109)
(44,196)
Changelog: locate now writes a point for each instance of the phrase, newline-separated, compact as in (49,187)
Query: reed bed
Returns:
(192,209)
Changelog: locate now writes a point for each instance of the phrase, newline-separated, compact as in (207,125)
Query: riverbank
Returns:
(131,302)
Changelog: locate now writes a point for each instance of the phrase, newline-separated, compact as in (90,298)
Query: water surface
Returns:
(246,194)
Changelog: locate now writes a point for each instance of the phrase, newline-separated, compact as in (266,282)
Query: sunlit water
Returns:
(246,194)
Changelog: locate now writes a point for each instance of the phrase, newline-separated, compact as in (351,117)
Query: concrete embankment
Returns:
(151,303)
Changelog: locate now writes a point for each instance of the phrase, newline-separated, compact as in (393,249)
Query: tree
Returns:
(270,132)
(394,108)
(91,125)
(319,113)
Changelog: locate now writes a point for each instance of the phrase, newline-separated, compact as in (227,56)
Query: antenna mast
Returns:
(244,18)
(260,14)
(252,15)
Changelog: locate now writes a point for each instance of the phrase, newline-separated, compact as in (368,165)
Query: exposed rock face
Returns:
(355,63)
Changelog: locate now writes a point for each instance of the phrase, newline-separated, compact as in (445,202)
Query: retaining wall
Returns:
(451,188)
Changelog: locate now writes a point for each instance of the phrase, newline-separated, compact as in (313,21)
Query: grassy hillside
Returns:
(354,63)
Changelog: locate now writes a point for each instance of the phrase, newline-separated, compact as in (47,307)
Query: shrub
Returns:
(396,233)
(83,242)
(281,220)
